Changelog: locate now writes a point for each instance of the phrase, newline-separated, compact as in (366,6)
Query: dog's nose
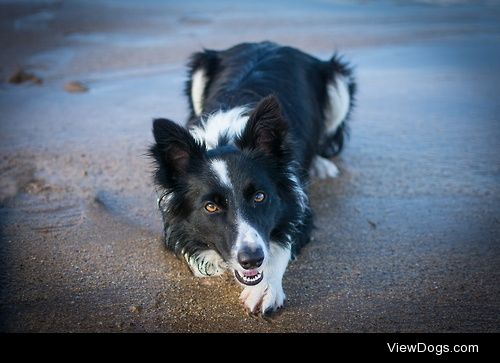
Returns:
(249,259)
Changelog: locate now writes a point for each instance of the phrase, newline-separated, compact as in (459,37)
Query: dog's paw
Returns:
(206,264)
(264,298)
(322,168)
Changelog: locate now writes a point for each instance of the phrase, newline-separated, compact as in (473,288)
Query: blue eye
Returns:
(259,197)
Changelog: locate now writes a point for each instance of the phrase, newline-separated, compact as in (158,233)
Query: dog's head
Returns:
(233,199)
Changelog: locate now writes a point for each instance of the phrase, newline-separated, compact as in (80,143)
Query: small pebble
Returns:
(20,76)
(75,87)
(135,309)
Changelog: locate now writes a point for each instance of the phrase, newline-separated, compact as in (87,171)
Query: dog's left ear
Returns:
(266,129)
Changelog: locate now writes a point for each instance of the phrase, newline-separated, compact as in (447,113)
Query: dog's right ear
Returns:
(175,149)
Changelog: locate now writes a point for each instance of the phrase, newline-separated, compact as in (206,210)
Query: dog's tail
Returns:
(341,88)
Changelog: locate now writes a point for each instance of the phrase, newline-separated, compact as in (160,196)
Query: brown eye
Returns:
(211,207)
(259,197)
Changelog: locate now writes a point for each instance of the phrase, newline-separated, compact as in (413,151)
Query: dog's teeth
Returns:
(251,278)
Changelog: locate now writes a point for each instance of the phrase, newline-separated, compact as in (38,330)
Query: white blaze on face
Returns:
(248,237)
(219,167)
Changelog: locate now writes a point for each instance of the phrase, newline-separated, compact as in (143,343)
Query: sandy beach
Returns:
(407,238)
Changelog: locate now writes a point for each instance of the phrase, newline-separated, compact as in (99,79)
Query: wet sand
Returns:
(408,235)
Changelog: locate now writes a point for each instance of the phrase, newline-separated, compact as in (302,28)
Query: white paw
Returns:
(322,168)
(206,264)
(264,298)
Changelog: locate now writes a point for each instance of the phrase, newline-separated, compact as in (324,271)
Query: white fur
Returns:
(322,168)
(268,294)
(164,201)
(206,263)
(247,237)
(198,83)
(230,123)
(220,169)
(338,93)
(298,189)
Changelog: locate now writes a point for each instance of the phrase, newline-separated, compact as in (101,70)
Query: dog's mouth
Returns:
(249,277)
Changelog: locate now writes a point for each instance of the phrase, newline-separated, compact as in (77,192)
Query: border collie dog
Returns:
(264,117)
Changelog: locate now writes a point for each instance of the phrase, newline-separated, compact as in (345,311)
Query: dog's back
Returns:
(316,96)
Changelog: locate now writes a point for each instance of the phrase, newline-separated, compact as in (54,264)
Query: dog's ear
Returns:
(266,128)
(175,149)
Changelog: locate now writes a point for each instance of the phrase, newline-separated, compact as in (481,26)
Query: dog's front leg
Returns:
(206,263)
(268,295)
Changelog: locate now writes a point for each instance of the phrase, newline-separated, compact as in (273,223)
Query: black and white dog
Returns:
(233,182)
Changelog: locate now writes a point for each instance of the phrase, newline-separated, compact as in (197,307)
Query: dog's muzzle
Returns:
(250,259)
